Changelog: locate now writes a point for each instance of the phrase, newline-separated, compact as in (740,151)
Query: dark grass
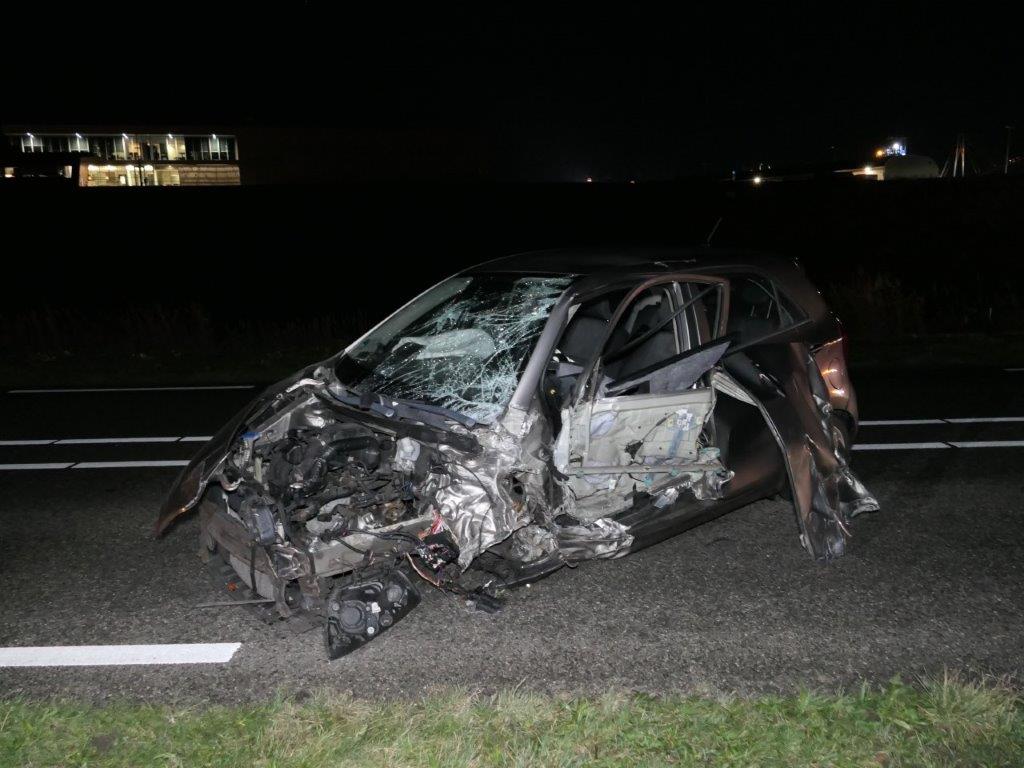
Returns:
(942,722)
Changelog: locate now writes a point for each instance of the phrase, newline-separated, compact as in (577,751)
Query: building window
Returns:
(153,147)
(30,143)
(78,143)
(175,147)
(211,147)
(102,146)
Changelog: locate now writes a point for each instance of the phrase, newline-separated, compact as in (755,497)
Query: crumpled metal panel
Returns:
(826,493)
(601,538)
(532,542)
(649,443)
(473,497)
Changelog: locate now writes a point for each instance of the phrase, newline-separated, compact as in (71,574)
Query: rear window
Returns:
(757,308)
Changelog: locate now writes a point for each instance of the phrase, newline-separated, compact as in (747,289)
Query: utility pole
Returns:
(959,158)
(1006,161)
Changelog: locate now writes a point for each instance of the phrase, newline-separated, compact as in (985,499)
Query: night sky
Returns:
(315,94)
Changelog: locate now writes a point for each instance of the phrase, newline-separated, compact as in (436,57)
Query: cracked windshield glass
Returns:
(459,346)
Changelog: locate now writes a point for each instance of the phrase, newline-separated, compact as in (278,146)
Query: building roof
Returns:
(114,130)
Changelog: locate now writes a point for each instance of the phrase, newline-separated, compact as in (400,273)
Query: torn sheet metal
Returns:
(531,543)
(474,496)
(600,538)
(648,443)
(826,493)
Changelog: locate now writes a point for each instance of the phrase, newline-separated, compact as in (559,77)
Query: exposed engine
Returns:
(322,482)
(337,509)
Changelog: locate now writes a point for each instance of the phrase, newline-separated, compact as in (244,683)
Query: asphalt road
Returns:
(935,580)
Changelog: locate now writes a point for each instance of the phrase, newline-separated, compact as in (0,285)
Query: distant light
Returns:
(30,135)
(758,179)
(78,135)
(590,179)
(213,136)
(93,168)
(868,169)
(897,148)
(124,135)
(879,153)
(147,167)
(169,136)
(632,181)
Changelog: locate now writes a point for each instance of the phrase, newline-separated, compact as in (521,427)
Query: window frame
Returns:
(799,320)
(586,386)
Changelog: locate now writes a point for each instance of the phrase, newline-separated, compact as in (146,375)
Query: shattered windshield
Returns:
(459,346)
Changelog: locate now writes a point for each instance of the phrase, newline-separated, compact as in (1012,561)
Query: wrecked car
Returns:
(527,414)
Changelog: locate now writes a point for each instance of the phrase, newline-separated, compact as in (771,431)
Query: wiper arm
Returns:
(467,421)
(391,407)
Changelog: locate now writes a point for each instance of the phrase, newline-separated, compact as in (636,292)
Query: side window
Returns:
(702,317)
(580,341)
(757,308)
(587,327)
(644,335)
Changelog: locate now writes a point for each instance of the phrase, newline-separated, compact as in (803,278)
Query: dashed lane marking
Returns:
(987,444)
(125,389)
(950,444)
(963,420)
(105,440)
(896,446)
(26,466)
(117,655)
(129,464)
(898,422)
(38,465)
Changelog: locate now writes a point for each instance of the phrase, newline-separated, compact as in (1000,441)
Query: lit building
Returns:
(129,158)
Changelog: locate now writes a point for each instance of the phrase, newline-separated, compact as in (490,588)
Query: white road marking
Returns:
(950,444)
(986,420)
(898,422)
(896,446)
(114,440)
(129,464)
(125,389)
(988,443)
(117,655)
(965,420)
(38,465)
(106,440)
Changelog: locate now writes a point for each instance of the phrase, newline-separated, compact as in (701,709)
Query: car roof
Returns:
(590,261)
(598,264)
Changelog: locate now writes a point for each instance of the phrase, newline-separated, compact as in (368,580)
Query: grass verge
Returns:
(941,722)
